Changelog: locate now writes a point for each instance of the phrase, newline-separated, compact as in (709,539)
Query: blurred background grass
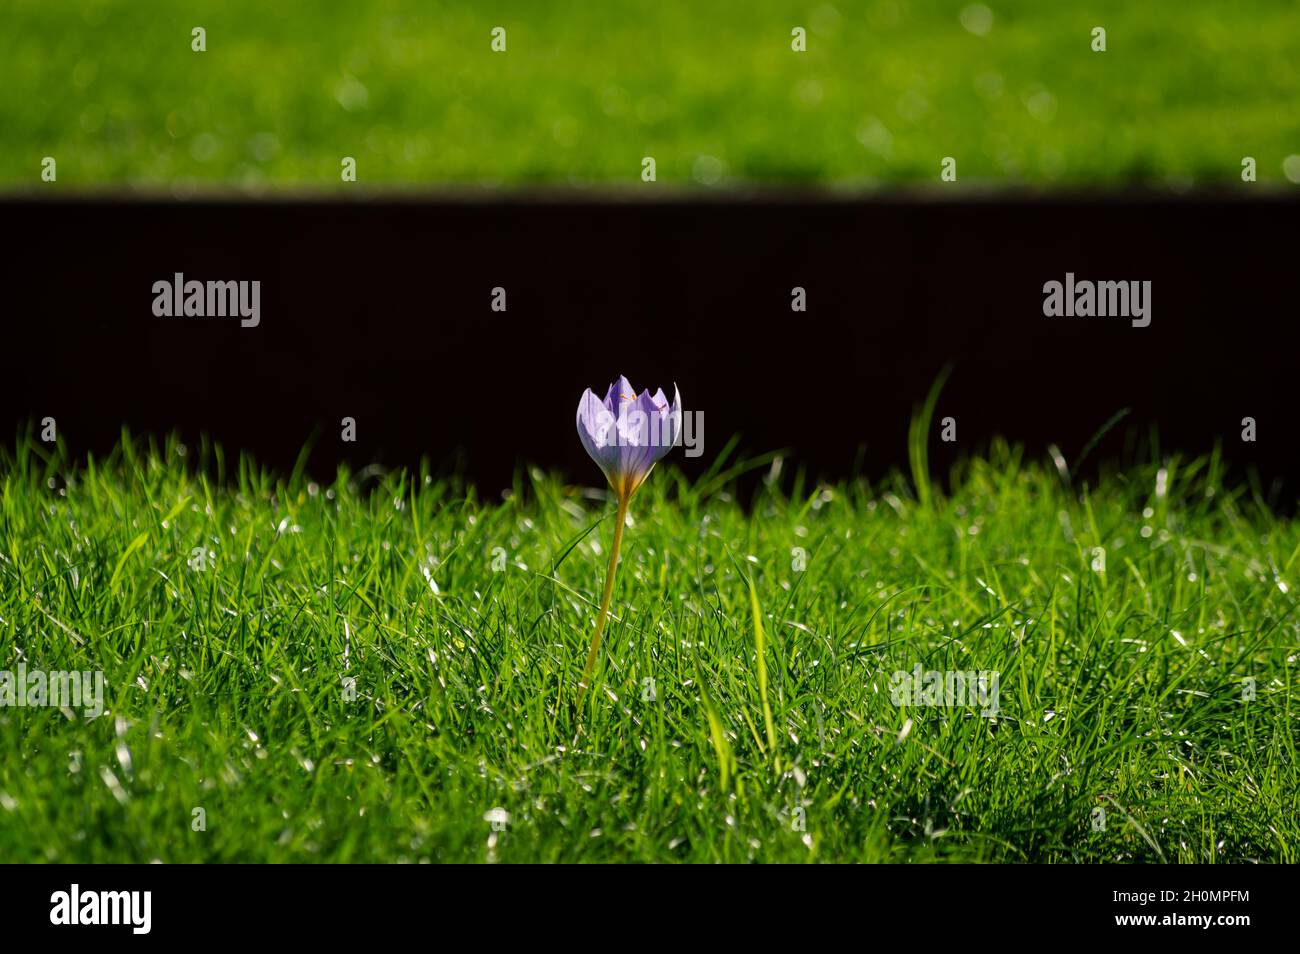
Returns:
(412,90)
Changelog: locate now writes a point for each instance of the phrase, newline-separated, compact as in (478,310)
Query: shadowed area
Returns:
(383,312)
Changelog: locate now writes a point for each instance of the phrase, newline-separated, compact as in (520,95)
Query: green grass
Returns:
(112,90)
(1119,689)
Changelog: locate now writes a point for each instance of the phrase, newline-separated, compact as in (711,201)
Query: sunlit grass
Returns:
(464,622)
(412,90)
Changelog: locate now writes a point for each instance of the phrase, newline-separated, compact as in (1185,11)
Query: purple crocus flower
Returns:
(627,434)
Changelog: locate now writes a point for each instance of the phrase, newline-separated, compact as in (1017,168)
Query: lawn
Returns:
(382,666)
(414,93)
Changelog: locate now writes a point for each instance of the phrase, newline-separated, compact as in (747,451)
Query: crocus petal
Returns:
(674,416)
(670,418)
(597,429)
(636,431)
(619,396)
(661,426)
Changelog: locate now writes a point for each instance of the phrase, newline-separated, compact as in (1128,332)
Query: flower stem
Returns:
(623,500)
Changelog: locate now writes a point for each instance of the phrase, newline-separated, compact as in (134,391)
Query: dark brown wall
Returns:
(380,311)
